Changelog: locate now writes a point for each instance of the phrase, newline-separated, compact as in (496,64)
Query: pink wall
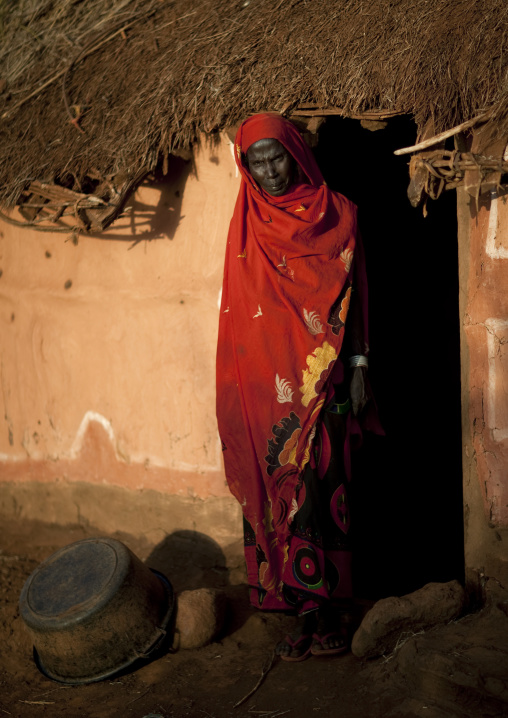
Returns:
(486,332)
(483,266)
(111,380)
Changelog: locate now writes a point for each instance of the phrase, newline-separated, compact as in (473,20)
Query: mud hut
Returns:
(116,186)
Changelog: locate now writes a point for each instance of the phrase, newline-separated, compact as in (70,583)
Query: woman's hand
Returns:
(359,390)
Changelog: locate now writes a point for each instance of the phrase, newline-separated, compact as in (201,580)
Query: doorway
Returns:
(407,486)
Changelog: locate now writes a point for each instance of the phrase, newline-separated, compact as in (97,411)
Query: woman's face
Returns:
(271,166)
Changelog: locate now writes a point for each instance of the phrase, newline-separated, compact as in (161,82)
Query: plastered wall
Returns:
(107,363)
(483,262)
(107,352)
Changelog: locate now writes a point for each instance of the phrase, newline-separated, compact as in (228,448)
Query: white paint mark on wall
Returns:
(141,458)
(497,414)
(494,251)
(232,148)
(138,458)
(12,457)
(88,417)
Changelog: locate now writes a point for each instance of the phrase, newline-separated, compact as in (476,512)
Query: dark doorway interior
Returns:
(408,485)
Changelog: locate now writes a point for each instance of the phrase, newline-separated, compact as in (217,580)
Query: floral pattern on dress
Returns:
(314,378)
(285,270)
(265,573)
(338,313)
(313,322)
(282,448)
(347,257)
(284,390)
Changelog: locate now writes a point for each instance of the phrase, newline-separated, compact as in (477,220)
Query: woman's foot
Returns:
(296,646)
(331,636)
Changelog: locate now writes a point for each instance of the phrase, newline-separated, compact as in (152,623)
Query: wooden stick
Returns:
(442,135)
(32,225)
(264,672)
(333,111)
(35,92)
(139,697)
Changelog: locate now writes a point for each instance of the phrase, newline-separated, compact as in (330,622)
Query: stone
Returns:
(463,665)
(199,617)
(392,620)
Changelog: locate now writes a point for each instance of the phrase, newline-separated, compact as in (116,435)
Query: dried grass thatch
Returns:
(97,87)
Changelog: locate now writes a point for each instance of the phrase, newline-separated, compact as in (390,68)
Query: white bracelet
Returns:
(359,360)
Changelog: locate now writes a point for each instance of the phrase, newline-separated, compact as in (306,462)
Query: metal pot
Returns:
(93,610)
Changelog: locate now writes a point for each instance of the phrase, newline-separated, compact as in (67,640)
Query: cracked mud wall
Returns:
(483,268)
(107,358)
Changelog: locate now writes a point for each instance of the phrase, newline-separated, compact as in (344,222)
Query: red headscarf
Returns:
(287,283)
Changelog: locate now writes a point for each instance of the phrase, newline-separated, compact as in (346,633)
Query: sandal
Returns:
(303,642)
(317,648)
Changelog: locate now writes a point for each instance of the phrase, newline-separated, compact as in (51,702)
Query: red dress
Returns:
(288,279)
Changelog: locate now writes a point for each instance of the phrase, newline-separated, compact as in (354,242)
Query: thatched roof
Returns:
(92,88)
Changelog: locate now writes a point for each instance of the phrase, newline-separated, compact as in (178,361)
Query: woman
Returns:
(293,261)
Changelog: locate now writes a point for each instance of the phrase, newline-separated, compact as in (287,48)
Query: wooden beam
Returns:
(309,111)
(442,135)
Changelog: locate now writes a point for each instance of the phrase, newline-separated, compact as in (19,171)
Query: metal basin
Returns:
(94,610)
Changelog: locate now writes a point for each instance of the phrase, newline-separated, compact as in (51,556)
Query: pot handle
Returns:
(155,645)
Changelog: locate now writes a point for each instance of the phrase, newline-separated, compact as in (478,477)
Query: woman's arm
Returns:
(359,390)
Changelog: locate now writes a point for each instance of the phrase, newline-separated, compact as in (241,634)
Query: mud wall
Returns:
(483,264)
(107,358)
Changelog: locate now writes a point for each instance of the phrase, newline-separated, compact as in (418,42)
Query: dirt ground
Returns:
(209,682)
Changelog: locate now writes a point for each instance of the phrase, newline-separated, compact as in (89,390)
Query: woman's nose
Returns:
(270,170)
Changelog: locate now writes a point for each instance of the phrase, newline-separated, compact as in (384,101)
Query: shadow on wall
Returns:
(154,210)
(190,560)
